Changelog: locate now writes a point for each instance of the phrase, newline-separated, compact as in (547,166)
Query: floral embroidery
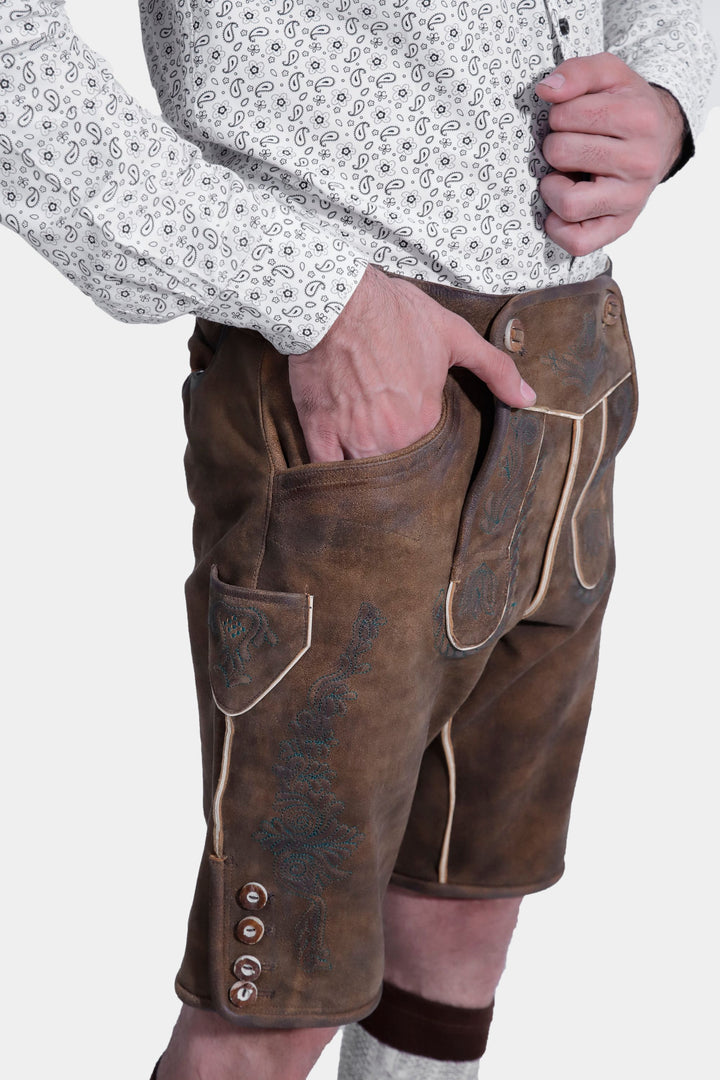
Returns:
(479,597)
(308,840)
(238,630)
(583,367)
(508,486)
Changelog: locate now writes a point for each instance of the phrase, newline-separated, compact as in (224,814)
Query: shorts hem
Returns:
(450,890)
(282,1019)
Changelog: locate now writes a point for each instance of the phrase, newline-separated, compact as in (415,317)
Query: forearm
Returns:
(665,42)
(133,215)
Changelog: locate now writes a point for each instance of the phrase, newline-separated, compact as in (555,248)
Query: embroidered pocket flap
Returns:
(572,348)
(255,638)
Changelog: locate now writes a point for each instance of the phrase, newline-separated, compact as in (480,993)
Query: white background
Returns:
(613,971)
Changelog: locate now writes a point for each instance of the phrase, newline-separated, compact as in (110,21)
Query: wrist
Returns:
(680,141)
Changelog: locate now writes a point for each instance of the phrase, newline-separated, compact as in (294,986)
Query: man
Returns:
(150,230)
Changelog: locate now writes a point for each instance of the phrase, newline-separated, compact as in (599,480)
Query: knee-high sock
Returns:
(362,1057)
(409,1037)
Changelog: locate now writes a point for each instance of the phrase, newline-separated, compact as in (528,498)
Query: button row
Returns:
(252,897)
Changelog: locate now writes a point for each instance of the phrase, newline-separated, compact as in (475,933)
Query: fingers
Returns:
(585,75)
(602,156)
(580,238)
(620,114)
(494,367)
(321,445)
(578,201)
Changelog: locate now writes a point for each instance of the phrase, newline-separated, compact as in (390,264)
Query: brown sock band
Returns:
(427,1028)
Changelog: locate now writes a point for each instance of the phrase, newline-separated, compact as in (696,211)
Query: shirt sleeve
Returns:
(134,216)
(665,42)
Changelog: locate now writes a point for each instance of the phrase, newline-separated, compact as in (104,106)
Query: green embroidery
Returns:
(238,630)
(308,840)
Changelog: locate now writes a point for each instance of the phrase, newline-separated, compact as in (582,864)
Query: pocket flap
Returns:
(256,637)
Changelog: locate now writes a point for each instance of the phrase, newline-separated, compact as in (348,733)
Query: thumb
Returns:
(495,367)
(581,75)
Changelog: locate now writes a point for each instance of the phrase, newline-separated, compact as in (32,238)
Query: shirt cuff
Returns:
(302,276)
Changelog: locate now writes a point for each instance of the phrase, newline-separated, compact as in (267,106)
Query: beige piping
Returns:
(576,415)
(449,624)
(452,776)
(283,673)
(573,522)
(220,789)
(559,517)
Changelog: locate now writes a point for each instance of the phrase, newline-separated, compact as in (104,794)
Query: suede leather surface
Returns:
(367,634)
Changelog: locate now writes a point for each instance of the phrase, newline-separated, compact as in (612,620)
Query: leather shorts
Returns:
(394,656)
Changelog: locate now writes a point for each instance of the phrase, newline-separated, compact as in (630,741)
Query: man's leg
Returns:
(447,950)
(443,962)
(204,1046)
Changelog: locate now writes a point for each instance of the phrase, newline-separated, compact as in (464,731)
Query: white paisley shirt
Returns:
(301,140)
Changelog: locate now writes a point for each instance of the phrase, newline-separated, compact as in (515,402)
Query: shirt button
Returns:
(247,967)
(250,930)
(242,993)
(252,896)
(564,26)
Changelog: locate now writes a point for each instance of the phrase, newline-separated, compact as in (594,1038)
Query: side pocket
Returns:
(256,637)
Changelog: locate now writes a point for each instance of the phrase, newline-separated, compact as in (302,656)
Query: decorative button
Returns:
(250,930)
(242,993)
(252,896)
(247,967)
(611,311)
(515,336)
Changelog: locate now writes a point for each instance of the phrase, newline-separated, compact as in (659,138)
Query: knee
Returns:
(408,914)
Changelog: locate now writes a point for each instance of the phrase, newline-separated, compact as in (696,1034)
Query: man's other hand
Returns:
(374,382)
(610,123)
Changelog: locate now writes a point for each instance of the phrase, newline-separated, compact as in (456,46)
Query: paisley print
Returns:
(300,140)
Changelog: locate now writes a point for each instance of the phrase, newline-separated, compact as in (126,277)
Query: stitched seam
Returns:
(220,789)
(271,474)
(283,1010)
(489,888)
(361,469)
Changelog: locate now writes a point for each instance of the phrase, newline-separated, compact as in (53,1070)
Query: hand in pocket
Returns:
(374,383)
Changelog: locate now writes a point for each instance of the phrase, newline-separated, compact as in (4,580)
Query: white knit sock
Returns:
(364,1058)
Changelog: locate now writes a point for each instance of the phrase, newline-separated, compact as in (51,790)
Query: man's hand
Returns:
(608,122)
(374,383)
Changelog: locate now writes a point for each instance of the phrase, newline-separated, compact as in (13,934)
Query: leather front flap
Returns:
(571,348)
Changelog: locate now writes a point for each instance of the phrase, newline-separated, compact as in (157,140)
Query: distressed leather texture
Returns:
(395,656)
